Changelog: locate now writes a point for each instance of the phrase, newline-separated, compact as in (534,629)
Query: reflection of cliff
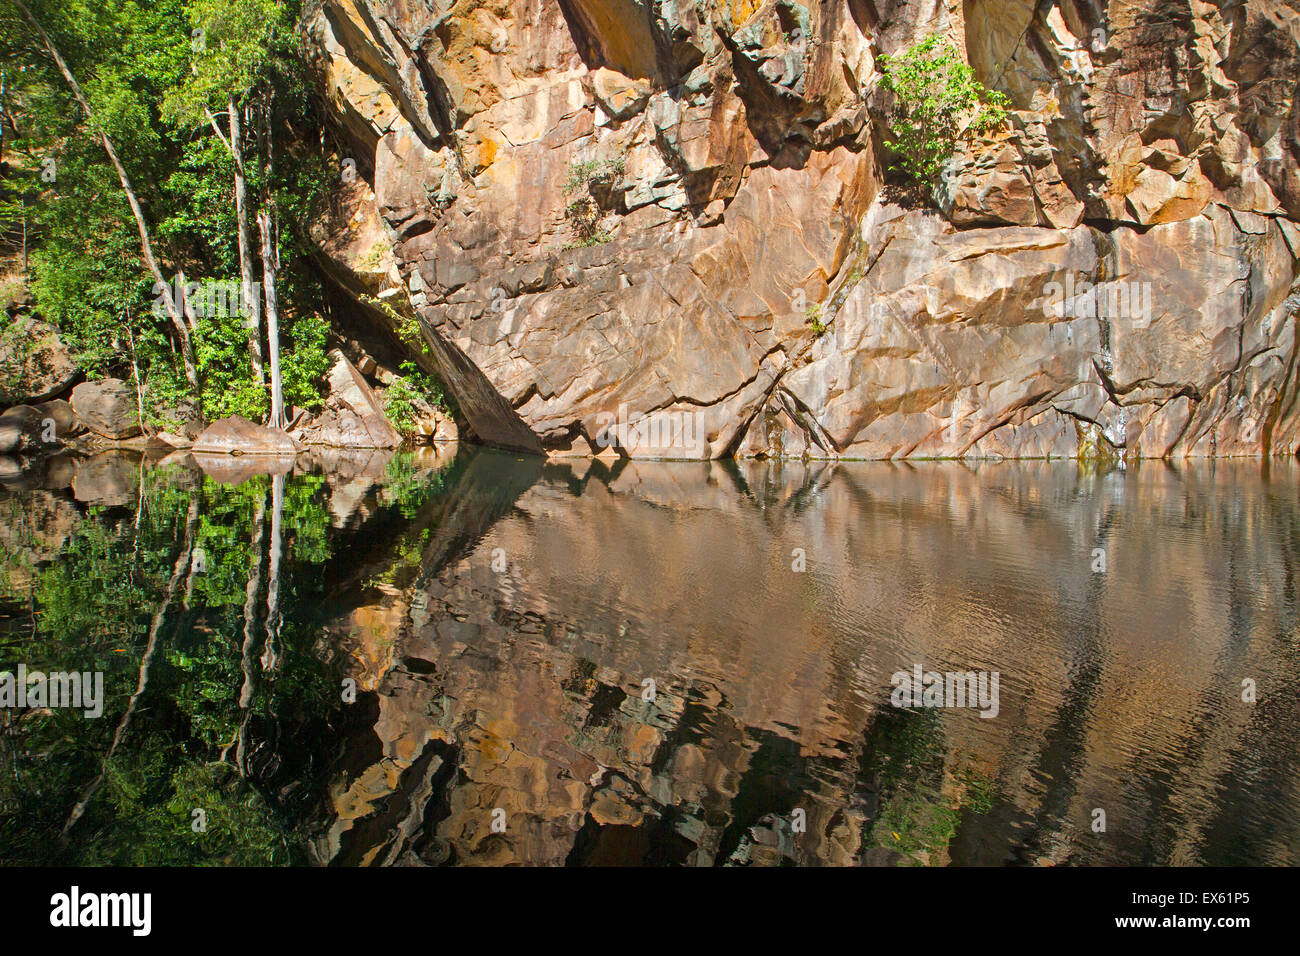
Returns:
(522,689)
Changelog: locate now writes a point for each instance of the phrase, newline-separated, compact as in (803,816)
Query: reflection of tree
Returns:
(208,723)
(270,655)
(920,792)
(250,629)
(151,645)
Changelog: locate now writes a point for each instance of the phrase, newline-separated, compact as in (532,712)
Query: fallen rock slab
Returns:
(353,416)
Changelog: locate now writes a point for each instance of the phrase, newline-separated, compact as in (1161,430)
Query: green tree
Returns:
(163,102)
(938,102)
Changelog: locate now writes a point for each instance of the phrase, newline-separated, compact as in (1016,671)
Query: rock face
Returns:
(666,228)
(352,416)
(238,436)
(107,407)
(34,362)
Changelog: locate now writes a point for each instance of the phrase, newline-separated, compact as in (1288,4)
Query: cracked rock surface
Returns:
(1112,273)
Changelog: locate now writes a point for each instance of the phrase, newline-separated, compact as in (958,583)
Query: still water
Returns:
(469,657)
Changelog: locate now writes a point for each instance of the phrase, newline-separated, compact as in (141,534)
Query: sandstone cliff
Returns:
(730,158)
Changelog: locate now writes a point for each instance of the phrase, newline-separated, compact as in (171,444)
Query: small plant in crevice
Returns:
(407,327)
(813,319)
(587,181)
(591,172)
(374,258)
(939,102)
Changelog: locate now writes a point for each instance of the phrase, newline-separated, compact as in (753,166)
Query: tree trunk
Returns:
(135,371)
(187,307)
(146,247)
(252,304)
(271,653)
(269,268)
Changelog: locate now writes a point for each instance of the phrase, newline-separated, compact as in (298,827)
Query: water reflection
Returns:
(503,621)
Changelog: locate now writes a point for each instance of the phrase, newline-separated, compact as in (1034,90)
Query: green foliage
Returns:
(813,318)
(152,83)
(408,486)
(234,44)
(240,828)
(206,689)
(304,365)
(405,391)
(92,610)
(221,345)
(584,213)
(938,102)
(406,326)
(586,173)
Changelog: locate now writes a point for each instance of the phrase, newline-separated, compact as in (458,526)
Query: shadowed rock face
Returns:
(1112,273)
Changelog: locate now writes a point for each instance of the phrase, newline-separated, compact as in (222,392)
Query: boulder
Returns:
(108,408)
(174,441)
(182,418)
(352,417)
(66,422)
(432,423)
(24,428)
(238,436)
(35,364)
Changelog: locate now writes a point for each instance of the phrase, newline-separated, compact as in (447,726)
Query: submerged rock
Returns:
(109,478)
(236,469)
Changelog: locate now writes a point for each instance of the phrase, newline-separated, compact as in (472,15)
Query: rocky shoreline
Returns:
(104,417)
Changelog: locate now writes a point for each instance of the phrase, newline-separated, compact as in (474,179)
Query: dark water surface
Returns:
(617,663)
